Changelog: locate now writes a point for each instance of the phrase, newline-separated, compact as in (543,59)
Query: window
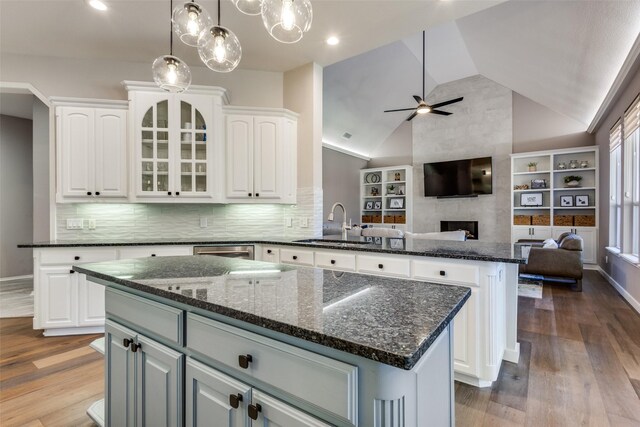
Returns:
(624,204)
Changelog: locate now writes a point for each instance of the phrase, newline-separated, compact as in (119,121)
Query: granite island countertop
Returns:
(470,249)
(392,321)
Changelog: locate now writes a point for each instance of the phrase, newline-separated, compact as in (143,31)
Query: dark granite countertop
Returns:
(470,250)
(388,320)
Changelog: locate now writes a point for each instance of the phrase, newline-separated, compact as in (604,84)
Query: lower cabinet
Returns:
(589,240)
(144,380)
(212,395)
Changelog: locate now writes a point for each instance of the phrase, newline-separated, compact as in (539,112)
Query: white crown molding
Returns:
(23,88)
(345,151)
(266,111)
(627,66)
(59,101)
(193,89)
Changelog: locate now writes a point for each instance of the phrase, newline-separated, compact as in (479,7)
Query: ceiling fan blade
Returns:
(400,109)
(442,113)
(412,116)
(451,101)
(418,99)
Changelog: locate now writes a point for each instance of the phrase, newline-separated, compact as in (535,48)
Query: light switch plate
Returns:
(92,224)
(304,222)
(288,222)
(204,222)
(75,224)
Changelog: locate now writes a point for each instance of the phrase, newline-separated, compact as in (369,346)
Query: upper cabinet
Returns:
(91,151)
(261,156)
(178,151)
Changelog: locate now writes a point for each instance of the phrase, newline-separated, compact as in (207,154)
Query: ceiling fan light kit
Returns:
(189,20)
(287,20)
(423,107)
(249,7)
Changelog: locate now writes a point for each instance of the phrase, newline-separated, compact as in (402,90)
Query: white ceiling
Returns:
(138,30)
(564,55)
(17,105)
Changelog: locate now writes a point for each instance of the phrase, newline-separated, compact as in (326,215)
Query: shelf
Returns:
(574,188)
(379,183)
(532,190)
(395,182)
(531,208)
(395,210)
(573,170)
(372,197)
(531,173)
(573,207)
(395,195)
(371,210)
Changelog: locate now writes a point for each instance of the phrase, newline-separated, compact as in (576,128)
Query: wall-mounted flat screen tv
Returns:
(458,178)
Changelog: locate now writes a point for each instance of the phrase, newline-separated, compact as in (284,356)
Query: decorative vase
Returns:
(562,165)
(532,168)
(573,164)
(584,164)
(573,184)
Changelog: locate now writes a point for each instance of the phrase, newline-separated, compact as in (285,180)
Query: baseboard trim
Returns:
(622,291)
(512,355)
(474,381)
(12,278)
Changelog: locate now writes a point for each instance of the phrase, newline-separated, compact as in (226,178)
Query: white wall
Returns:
(396,150)
(341,183)
(624,273)
(16,196)
(102,79)
(480,126)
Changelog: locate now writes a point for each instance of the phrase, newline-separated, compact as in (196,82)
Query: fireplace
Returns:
(471,227)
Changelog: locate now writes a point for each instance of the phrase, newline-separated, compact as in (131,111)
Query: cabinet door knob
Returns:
(71,271)
(153,254)
(443,273)
(126,342)
(269,251)
(257,194)
(234,400)
(97,193)
(244,360)
(380,266)
(177,193)
(76,257)
(169,193)
(333,261)
(254,410)
(135,347)
(89,193)
(295,257)
(249,194)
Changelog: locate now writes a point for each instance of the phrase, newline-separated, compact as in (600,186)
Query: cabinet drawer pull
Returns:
(126,342)
(153,254)
(234,400)
(269,251)
(254,410)
(71,271)
(257,194)
(244,360)
(443,273)
(249,194)
(333,261)
(380,266)
(89,193)
(97,193)
(295,257)
(135,347)
(177,193)
(169,193)
(76,257)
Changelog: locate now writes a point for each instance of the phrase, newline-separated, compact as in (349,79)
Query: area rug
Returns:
(529,286)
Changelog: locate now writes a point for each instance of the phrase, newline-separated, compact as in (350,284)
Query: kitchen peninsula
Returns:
(287,345)
(485,328)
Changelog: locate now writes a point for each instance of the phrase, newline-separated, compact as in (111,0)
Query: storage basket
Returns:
(376,219)
(389,219)
(522,220)
(584,220)
(543,219)
(400,219)
(563,220)
(366,219)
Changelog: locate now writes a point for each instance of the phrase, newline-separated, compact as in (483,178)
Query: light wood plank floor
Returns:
(579,365)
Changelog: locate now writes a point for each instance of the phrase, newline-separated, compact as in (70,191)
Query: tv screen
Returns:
(458,178)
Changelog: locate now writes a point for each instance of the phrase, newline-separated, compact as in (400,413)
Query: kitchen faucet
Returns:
(345,227)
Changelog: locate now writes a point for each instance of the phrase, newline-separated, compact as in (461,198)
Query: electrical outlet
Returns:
(75,224)
(606,259)
(288,222)
(204,222)
(304,222)
(92,224)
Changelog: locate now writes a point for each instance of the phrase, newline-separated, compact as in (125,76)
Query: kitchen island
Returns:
(273,343)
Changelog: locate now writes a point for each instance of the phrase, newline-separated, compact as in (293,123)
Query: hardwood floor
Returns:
(579,365)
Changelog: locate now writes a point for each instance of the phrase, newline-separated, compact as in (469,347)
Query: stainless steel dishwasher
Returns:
(241,252)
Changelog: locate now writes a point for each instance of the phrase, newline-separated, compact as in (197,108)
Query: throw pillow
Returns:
(550,244)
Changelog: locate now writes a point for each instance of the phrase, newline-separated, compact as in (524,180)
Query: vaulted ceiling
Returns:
(564,55)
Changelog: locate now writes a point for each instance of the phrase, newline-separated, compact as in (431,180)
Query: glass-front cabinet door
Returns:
(155,149)
(194,154)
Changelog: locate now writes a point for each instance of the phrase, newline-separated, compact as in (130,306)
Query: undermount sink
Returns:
(327,242)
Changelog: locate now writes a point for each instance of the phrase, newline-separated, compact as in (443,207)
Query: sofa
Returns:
(563,263)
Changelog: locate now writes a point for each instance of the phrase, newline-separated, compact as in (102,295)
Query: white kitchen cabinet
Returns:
(270,254)
(298,256)
(151,251)
(260,153)
(91,153)
(90,302)
(589,240)
(56,297)
(530,232)
(177,144)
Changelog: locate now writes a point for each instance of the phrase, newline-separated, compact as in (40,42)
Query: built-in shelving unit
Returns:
(562,207)
(386,197)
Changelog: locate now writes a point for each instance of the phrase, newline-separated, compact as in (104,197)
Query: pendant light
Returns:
(287,20)
(249,7)
(170,72)
(189,20)
(219,48)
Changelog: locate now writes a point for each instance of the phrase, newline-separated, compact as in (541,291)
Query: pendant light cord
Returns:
(170,28)
(218,13)
(424,65)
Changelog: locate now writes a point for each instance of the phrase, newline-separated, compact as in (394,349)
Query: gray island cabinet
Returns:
(209,341)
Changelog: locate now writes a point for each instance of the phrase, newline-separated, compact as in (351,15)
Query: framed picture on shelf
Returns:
(377,205)
(368,205)
(566,201)
(538,183)
(401,190)
(377,240)
(531,199)
(582,200)
(396,243)
(396,203)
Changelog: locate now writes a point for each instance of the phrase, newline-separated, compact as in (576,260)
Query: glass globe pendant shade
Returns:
(249,7)
(171,73)
(189,20)
(219,49)
(287,20)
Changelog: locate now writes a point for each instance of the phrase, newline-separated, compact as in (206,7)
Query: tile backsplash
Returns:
(140,221)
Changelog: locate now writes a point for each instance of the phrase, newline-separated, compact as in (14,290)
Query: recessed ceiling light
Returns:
(97,4)
(333,40)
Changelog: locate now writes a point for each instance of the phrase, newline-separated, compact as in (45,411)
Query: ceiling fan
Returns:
(423,107)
